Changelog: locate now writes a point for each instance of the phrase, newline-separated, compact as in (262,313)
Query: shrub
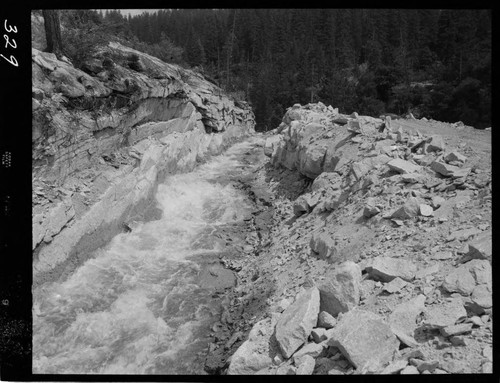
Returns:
(134,63)
(82,36)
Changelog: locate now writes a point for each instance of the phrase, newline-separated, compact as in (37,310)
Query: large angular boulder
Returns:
(449,170)
(341,290)
(402,166)
(327,180)
(323,244)
(253,354)
(443,169)
(293,114)
(311,160)
(403,318)
(481,246)
(331,200)
(466,277)
(297,321)
(306,366)
(455,156)
(481,296)
(410,209)
(460,280)
(371,208)
(310,349)
(386,269)
(325,320)
(364,339)
(305,203)
(248,360)
(445,314)
(300,206)
(435,143)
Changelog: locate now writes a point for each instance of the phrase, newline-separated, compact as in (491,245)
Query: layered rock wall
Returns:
(103,139)
(79,116)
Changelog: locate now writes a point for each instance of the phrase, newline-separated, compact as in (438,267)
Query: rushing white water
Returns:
(135,307)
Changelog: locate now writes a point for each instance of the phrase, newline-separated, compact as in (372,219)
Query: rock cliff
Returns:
(105,136)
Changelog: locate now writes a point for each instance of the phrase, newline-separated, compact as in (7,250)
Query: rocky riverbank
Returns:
(378,259)
(368,248)
(104,137)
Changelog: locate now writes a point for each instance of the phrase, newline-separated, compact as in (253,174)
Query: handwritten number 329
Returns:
(10,43)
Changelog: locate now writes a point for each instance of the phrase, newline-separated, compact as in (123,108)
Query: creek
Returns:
(138,305)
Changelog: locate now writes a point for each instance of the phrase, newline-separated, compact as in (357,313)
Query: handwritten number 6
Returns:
(12,60)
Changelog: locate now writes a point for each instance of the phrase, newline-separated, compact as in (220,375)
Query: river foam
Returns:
(135,307)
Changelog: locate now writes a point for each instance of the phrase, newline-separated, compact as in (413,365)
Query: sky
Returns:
(134,12)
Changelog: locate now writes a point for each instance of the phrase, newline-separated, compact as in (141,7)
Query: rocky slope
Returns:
(378,256)
(104,137)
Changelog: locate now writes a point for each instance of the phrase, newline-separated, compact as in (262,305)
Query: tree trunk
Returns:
(460,68)
(53,32)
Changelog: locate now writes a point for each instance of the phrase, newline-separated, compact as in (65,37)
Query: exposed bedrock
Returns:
(103,139)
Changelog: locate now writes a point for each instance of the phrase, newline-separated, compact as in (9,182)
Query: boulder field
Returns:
(104,136)
(379,256)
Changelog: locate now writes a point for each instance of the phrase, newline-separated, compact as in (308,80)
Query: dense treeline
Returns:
(433,63)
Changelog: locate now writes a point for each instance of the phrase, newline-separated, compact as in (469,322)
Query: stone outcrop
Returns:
(104,138)
(119,107)
(312,142)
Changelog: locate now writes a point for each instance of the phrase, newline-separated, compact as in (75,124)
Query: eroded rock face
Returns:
(81,116)
(168,117)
